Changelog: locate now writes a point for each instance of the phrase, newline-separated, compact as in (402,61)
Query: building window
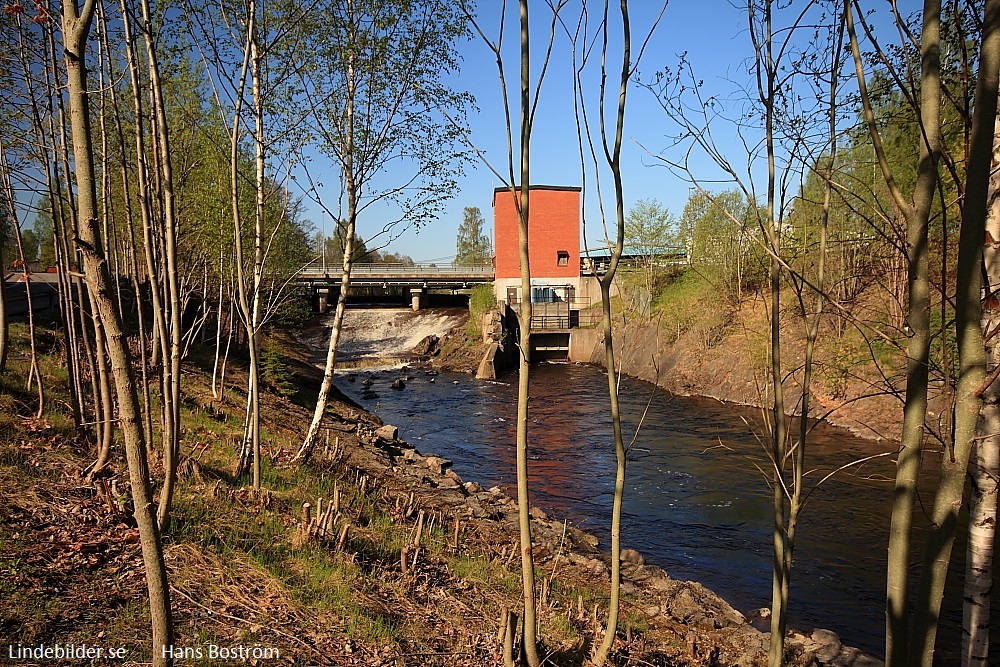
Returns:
(562,258)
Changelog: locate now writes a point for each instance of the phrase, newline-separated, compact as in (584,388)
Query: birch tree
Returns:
(984,469)
(378,98)
(969,387)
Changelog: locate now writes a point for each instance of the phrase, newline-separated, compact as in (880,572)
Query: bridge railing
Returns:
(417,268)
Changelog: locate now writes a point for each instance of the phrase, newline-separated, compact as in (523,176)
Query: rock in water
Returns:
(428,347)
(398,384)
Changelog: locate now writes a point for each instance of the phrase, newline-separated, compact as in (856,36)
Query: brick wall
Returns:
(553,228)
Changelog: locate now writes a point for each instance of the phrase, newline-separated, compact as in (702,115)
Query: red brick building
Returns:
(553,238)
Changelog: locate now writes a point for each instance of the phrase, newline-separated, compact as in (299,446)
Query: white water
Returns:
(378,334)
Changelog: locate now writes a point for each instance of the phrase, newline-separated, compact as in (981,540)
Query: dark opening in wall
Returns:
(562,258)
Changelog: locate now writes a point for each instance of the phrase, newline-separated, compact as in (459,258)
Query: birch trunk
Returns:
(984,467)
(351,189)
(971,351)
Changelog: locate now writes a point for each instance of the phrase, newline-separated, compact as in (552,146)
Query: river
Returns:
(695,504)
(696,501)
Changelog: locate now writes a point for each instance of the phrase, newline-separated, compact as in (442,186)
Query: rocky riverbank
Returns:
(711,629)
(712,632)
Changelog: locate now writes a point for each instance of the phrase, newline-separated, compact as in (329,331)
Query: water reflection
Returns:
(696,500)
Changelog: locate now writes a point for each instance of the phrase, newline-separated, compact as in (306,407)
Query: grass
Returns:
(690,302)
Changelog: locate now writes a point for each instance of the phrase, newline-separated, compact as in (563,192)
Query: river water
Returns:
(696,500)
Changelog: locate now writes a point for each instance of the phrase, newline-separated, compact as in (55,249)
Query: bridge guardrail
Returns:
(401,270)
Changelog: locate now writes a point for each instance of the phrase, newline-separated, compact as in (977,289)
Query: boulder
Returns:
(693,604)
(476,508)
(597,566)
(427,347)
(829,645)
(387,432)
(398,384)
(632,556)
(538,513)
(453,475)
(436,464)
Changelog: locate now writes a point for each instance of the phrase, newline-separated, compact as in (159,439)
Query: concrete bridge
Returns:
(417,280)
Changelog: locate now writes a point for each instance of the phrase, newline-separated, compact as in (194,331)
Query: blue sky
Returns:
(713,34)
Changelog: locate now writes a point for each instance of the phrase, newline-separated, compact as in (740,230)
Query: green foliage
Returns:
(294,311)
(274,371)
(688,301)
(724,242)
(331,249)
(392,62)
(650,228)
(472,246)
(41,236)
(651,237)
(397,258)
(481,300)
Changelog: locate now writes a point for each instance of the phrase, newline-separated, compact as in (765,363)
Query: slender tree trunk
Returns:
(133,263)
(529,638)
(971,351)
(351,189)
(63,224)
(75,29)
(256,76)
(783,524)
(984,468)
(250,430)
(614,161)
(918,293)
(34,374)
(104,409)
(216,388)
(172,362)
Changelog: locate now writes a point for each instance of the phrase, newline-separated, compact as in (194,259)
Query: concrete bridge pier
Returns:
(322,300)
(416,298)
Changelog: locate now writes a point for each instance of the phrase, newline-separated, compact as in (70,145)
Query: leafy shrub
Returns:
(274,371)
(481,300)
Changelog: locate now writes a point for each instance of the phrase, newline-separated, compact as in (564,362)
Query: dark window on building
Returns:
(562,258)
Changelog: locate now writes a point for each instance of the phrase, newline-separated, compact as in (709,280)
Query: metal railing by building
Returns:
(568,314)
